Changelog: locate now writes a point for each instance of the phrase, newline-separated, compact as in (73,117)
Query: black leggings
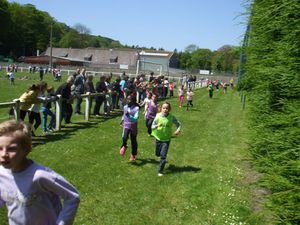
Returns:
(125,137)
(33,116)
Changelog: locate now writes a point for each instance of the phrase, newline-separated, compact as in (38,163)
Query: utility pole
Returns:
(50,57)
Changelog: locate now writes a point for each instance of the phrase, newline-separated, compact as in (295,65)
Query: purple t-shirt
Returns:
(152,108)
(130,120)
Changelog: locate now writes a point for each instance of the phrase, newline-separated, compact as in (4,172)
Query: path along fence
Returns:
(15,104)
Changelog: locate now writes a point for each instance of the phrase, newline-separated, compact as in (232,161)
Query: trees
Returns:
(226,59)
(24,30)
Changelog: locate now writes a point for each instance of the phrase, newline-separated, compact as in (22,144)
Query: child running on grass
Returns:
(181,95)
(189,98)
(130,121)
(32,193)
(151,110)
(162,131)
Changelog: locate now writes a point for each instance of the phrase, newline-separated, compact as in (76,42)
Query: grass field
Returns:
(206,178)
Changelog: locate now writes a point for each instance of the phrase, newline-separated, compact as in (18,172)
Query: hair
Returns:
(33,87)
(18,129)
(167,103)
(50,88)
(70,79)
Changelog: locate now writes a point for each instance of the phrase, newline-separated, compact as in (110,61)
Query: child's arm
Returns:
(178,125)
(58,185)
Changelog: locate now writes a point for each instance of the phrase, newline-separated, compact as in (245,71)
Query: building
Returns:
(123,59)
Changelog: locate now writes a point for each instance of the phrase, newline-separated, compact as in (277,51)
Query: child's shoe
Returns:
(122,151)
(160,174)
(132,158)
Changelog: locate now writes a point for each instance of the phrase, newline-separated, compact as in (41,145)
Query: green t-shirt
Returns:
(164,131)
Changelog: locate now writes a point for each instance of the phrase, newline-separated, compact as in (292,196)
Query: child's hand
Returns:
(177,132)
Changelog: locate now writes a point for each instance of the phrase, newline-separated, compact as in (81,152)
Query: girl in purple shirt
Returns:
(151,110)
(130,120)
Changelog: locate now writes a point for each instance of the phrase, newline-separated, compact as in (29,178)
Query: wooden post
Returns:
(58,112)
(244,102)
(87,106)
(16,108)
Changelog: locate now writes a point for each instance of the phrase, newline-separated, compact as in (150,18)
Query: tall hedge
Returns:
(272,83)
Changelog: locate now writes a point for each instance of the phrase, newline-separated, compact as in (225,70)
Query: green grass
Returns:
(205,182)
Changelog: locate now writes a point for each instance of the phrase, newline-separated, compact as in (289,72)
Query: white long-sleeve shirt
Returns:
(33,196)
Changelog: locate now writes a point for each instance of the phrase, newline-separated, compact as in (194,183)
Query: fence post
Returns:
(58,112)
(87,107)
(244,102)
(16,108)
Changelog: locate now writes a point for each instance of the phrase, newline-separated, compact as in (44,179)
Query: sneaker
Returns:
(160,174)
(122,151)
(132,158)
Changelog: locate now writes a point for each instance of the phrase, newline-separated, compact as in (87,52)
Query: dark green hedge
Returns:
(272,83)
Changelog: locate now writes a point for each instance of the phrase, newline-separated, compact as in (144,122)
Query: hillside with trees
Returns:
(25,30)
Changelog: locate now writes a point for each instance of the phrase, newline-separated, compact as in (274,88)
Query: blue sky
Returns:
(168,24)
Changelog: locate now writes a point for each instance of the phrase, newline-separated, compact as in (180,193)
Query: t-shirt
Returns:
(33,196)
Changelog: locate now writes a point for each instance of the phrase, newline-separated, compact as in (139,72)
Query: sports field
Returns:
(207,179)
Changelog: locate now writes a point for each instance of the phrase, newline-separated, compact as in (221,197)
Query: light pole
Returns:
(50,58)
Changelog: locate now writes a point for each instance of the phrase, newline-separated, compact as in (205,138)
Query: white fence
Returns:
(15,104)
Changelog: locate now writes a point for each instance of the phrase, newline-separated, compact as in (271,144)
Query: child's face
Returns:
(165,109)
(12,154)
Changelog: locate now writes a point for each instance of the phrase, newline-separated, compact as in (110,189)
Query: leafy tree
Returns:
(82,29)
(191,48)
(201,59)
(5,24)
(226,59)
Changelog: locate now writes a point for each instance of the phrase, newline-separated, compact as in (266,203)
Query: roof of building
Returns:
(124,56)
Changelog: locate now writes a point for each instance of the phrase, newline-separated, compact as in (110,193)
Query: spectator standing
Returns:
(89,86)
(27,99)
(34,110)
(166,87)
(46,111)
(11,76)
(79,90)
(41,70)
(100,88)
(66,104)
(116,91)
(171,88)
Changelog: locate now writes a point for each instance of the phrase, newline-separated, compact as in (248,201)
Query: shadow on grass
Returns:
(66,132)
(103,117)
(181,169)
(142,162)
(170,169)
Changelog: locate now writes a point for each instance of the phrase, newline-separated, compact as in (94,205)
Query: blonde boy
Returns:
(31,191)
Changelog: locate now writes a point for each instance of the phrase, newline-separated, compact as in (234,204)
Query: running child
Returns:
(32,193)
(189,98)
(181,95)
(151,110)
(130,121)
(162,131)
